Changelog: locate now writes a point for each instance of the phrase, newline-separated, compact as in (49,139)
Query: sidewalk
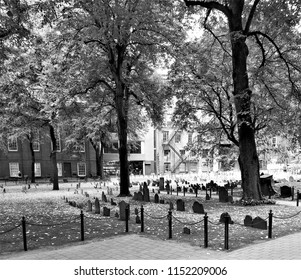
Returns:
(136,247)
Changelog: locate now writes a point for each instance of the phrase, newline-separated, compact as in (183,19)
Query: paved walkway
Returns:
(137,247)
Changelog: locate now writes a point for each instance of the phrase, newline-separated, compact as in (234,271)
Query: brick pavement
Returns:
(136,247)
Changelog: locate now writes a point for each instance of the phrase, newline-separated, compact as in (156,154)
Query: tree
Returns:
(241,17)
(126,37)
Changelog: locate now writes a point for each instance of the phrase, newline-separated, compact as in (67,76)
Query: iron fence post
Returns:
(24,233)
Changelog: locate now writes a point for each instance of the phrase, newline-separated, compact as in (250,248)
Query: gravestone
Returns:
(171,207)
(122,207)
(162,201)
(223,194)
(112,202)
(248,221)
(198,208)
(180,205)
(106,211)
(136,211)
(146,193)
(223,218)
(230,199)
(89,206)
(139,196)
(103,197)
(97,206)
(186,230)
(138,220)
(161,183)
(156,197)
(285,191)
(135,197)
(291,179)
(259,223)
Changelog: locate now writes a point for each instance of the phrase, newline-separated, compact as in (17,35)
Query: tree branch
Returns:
(210,5)
(251,15)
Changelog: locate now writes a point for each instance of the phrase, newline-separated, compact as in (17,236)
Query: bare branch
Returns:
(210,5)
(251,15)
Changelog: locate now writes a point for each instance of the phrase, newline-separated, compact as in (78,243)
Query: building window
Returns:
(37,169)
(166,155)
(135,147)
(165,136)
(167,167)
(182,152)
(14,169)
(12,144)
(112,149)
(81,169)
(178,137)
(36,145)
(59,169)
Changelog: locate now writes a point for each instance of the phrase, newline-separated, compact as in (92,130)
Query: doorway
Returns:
(67,169)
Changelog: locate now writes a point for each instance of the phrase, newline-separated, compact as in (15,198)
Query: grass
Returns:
(53,222)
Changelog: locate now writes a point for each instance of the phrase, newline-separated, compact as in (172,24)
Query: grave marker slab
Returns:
(285,191)
(180,205)
(223,194)
(106,211)
(97,206)
(186,230)
(223,218)
(139,196)
(156,197)
(259,223)
(198,208)
(248,221)
(122,207)
(89,206)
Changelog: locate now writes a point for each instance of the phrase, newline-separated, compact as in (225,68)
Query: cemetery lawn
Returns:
(52,222)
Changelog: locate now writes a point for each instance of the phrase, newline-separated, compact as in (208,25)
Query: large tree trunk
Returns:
(249,162)
(121,103)
(55,177)
(98,157)
(33,160)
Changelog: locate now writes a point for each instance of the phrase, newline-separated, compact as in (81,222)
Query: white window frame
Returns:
(165,136)
(14,169)
(37,169)
(59,169)
(36,145)
(12,141)
(79,170)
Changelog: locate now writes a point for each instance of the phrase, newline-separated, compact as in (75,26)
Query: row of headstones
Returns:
(286,191)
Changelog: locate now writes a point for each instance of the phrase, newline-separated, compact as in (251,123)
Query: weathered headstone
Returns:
(230,199)
(285,191)
(89,206)
(198,208)
(106,211)
(248,221)
(138,220)
(112,202)
(259,223)
(97,206)
(186,230)
(122,207)
(136,211)
(291,179)
(161,183)
(223,218)
(146,197)
(135,197)
(171,207)
(162,201)
(223,194)
(156,197)
(180,205)
(139,196)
